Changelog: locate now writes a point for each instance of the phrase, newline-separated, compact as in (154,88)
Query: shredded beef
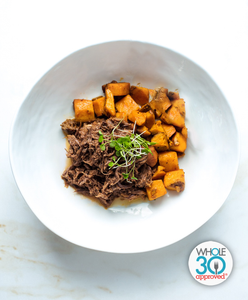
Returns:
(70,126)
(90,174)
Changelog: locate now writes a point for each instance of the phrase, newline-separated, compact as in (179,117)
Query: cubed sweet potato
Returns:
(175,180)
(99,106)
(152,94)
(150,119)
(121,115)
(84,110)
(143,130)
(119,88)
(156,128)
(169,130)
(179,143)
(161,102)
(139,94)
(173,117)
(156,190)
(173,95)
(168,160)
(127,105)
(161,142)
(184,132)
(159,174)
(180,105)
(146,107)
(109,103)
(152,158)
(138,117)
(104,86)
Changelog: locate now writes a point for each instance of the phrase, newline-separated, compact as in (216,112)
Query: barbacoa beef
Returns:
(90,174)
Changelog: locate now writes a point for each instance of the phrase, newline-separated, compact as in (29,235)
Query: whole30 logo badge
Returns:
(210,263)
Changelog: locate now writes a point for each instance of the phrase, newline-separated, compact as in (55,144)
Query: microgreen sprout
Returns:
(128,149)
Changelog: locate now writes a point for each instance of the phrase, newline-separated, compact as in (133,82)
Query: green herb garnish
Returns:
(128,150)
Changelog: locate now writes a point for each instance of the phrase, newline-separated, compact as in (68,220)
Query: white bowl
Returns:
(37,149)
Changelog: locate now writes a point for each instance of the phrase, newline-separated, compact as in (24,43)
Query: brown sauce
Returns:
(116,202)
(126,203)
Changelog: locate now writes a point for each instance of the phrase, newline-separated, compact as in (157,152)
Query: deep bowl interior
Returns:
(37,148)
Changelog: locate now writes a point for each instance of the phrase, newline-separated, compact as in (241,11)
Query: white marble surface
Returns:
(34,262)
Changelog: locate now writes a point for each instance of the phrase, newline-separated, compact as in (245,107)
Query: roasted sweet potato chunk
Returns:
(161,102)
(146,107)
(184,132)
(119,88)
(150,119)
(138,117)
(127,105)
(169,130)
(104,86)
(156,128)
(168,160)
(84,110)
(173,95)
(152,94)
(121,115)
(152,158)
(144,130)
(109,104)
(139,94)
(156,190)
(159,174)
(161,142)
(175,180)
(173,117)
(180,105)
(179,143)
(99,106)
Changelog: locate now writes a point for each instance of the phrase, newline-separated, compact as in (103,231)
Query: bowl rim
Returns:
(147,249)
